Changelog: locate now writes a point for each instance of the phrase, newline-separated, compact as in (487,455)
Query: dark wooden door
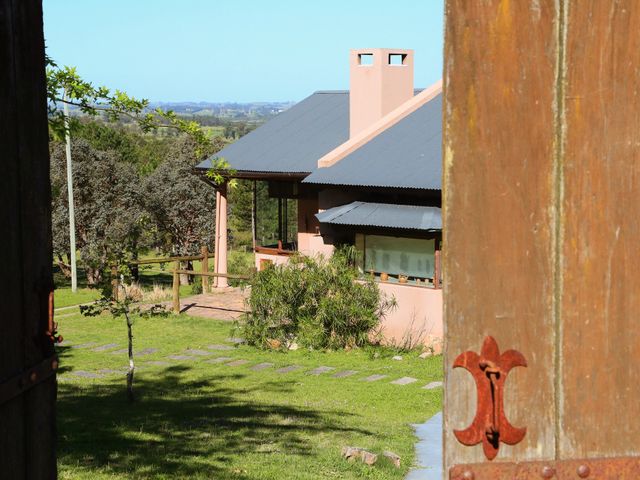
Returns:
(542,234)
(27,387)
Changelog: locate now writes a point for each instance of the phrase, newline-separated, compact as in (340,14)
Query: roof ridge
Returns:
(390,119)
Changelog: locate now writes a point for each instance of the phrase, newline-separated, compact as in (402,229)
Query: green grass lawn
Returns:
(194,419)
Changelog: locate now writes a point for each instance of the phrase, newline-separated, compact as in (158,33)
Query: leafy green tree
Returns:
(181,205)
(110,219)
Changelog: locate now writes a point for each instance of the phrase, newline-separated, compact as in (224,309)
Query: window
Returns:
(397,58)
(365,59)
(397,256)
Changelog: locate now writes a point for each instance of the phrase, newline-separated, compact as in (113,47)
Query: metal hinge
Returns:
(624,468)
(27,379)
(490,425)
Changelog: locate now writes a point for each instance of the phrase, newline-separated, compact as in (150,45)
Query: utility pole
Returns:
(72,219)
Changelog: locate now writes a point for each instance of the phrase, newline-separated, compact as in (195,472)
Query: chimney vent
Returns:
(381,80)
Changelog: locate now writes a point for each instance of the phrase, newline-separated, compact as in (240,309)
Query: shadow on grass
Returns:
(180,428)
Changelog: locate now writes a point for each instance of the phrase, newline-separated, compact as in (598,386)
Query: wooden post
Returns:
(176,288)
(114,282)
(205,269)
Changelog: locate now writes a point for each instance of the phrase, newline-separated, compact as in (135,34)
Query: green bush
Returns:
(315,303)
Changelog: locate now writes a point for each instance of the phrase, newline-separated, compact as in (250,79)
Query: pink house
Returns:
(364,168)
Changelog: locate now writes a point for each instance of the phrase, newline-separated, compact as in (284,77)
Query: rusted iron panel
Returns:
(499,192)
(600,326)
(595,469)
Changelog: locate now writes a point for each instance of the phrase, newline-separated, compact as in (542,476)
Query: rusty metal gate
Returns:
(542,239)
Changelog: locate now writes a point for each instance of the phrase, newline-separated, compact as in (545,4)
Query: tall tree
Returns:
(181,205)
(110,220)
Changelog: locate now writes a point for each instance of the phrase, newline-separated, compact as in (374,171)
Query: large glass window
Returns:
(410,257)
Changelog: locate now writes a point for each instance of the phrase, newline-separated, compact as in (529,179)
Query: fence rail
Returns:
(177,271)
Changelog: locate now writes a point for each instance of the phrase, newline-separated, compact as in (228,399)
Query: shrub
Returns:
(315,302)
(158,294)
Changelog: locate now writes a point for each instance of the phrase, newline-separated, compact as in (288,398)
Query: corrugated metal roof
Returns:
(406,155)
(383,215)
(294,140)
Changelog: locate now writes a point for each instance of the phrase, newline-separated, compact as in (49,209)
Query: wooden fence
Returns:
(177,271)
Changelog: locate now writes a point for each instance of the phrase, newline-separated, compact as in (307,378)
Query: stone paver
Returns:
(159,363)
(110,371)
(219,360)
(237,363)
(432,385)
(235,340)
(85,374)
(122,351)
(84,345)
(106,347)
(220,347)
(404,381)
(288,369)
(200,353)
(261,366)
(320,370)
(181,357)
(373,378)
(145,351)
(345,373)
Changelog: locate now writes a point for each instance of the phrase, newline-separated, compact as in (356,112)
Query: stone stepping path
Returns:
(85,374)
(237,363)
(262,366)
(159,363)
(219,360)
(320,370)
(373,378)
(141,353)
(345,373)
(84,345)
(220,347)
(235,340)
(404,381)
(200,353)
(104,348)
(145,351)
(110,371)
(432,385)
(181,357)
(290,368)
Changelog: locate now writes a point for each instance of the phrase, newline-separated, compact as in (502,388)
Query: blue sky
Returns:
(236,50)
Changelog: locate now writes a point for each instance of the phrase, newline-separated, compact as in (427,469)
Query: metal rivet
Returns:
(548,472)
(583,471)
(468,475)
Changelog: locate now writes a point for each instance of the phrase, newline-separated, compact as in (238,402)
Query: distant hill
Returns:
(253,111)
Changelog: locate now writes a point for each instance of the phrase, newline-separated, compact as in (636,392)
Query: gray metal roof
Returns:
(383,215)
(406,155)
(294,140)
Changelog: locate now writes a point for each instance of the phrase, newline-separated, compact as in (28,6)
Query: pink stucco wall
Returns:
(276,259)
(417,318)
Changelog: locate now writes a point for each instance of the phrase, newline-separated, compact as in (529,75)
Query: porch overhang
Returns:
(384,215)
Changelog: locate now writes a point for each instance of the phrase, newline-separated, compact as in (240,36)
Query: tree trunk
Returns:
(94,276)
(130,396)
(186,279)
(65,268)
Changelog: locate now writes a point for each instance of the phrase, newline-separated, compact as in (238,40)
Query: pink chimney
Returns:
(381,80)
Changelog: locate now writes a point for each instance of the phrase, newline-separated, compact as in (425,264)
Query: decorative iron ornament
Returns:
(490,425)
